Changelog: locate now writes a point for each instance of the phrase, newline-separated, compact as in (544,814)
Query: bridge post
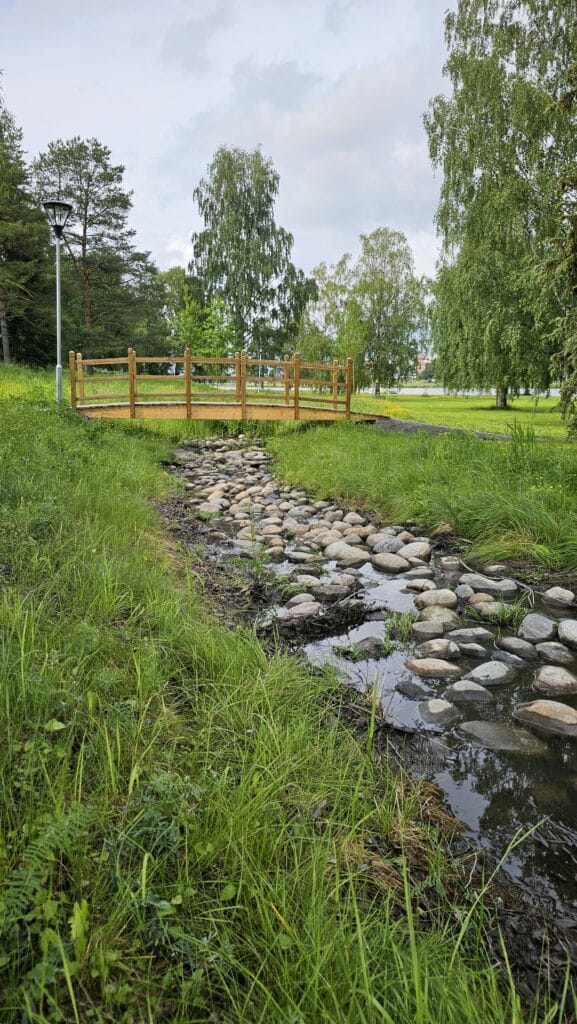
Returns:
(237,372)
(349,386)
(287,380)
(335,381)
(72,365)
(243,385)
(80,376)
(132,382)
(297,382)
(187,384)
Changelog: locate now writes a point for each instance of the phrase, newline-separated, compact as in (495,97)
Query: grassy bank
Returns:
(187,834)
(543,417)
(515,499)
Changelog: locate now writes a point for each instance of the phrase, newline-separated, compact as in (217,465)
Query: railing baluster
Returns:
(243,385)
(72,365)
(80,374)
(132,382)
(349,387)
(336,368)
(297,381)
(287,380)
(237,373)
(187,384)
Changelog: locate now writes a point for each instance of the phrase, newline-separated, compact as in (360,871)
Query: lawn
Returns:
(471,413)
(189,832)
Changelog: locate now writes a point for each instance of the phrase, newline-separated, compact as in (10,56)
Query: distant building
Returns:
(423,362)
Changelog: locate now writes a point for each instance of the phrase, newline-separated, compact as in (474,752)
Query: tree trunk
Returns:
(501,398)
(377,388)
(4,332)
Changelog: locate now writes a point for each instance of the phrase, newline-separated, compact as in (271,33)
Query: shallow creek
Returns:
(496,793)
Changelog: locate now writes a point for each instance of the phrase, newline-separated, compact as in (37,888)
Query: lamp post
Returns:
(58,212)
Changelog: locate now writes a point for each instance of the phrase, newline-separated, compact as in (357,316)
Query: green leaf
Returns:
(53,725)
(228,892)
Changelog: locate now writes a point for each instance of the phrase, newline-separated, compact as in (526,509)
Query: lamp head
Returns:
(57,212)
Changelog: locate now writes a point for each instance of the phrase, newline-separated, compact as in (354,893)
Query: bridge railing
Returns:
(290,384)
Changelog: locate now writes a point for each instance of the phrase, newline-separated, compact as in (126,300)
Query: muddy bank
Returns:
(315,578)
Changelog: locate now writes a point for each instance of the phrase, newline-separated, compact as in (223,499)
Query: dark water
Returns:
(496,795)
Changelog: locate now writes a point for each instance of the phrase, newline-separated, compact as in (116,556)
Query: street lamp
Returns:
(58,212)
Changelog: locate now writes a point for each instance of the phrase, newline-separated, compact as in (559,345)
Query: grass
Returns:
(471,413)
(187,833)
(514,499)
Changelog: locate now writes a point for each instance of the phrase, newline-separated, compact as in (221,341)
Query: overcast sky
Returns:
(333,90)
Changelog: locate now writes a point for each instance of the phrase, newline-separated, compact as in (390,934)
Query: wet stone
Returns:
(491,673)
(422,572)
(346,554)
(299,599)
(559,596)
(417,549)
(500,588)
(420,586)
(463,592)
(555,681)
(465,691)
(473,651)
(556,652)
(440,648)
(389,563)
(470,635)
(549,715)
(411,689)
(522,648)
(505,738)
(446,618)
(442,598)
(506,658)
(450,563)
(331,592)
(426,630)
(389,546)
(433,668)
(568,632)
(438,711)
(537,628)
(305,610)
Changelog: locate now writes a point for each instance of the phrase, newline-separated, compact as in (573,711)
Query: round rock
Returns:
(440,648)
(471,635)
(555,652)
(426,630)
(442,598)
(555,681)
(346,554)
(465,691)
(389,563)
(559,596)
(417,549)
(522,648)
(443,616)
(549,715)
(537,628)
(491,673)
(506,658)
(499,588)
(506,738)
(568,632)
(438,711)
(433,668)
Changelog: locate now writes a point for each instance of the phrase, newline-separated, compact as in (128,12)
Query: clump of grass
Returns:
(186,835)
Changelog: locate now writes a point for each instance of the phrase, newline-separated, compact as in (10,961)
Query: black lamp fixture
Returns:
(57,212)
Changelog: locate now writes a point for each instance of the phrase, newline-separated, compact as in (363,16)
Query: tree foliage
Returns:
(26,293)
(243,257)
(502,143)
(114,295)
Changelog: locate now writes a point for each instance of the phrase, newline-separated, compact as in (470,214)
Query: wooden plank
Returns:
(105,362)
(211,376)
(287,380)
(237,372)
(321,366)
(80,373)
(209,411)
(243,385)
(72,365)
(107,397)
(335,383)
(111,379)
(159,359)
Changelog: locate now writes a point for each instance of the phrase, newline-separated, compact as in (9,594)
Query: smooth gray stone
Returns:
(421,572)
(491,673)
(568,632)
(444,616)
(537,628)
(389,546)
(473,651)
(556,652)
(470,635)
(463,592)
(559,596)
(465,691)
(499,588)
(522,648)
(426,630)
(417,549)
(506,738)
(438,711)
(433,668)
(509,659)
(389,563)
(554,681)
(440,648)
(411,689)
(442,598)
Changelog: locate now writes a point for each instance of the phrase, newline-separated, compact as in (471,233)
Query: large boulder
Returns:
(549,715)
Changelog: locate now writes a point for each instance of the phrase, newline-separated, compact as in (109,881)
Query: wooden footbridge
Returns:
(205,388)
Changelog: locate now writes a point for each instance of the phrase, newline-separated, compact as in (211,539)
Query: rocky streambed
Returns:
(477,671)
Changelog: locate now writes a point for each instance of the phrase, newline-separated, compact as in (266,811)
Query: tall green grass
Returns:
(187,833)
(515,499)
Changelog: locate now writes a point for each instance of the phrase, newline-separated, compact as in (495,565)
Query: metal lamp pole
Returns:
(58,213)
